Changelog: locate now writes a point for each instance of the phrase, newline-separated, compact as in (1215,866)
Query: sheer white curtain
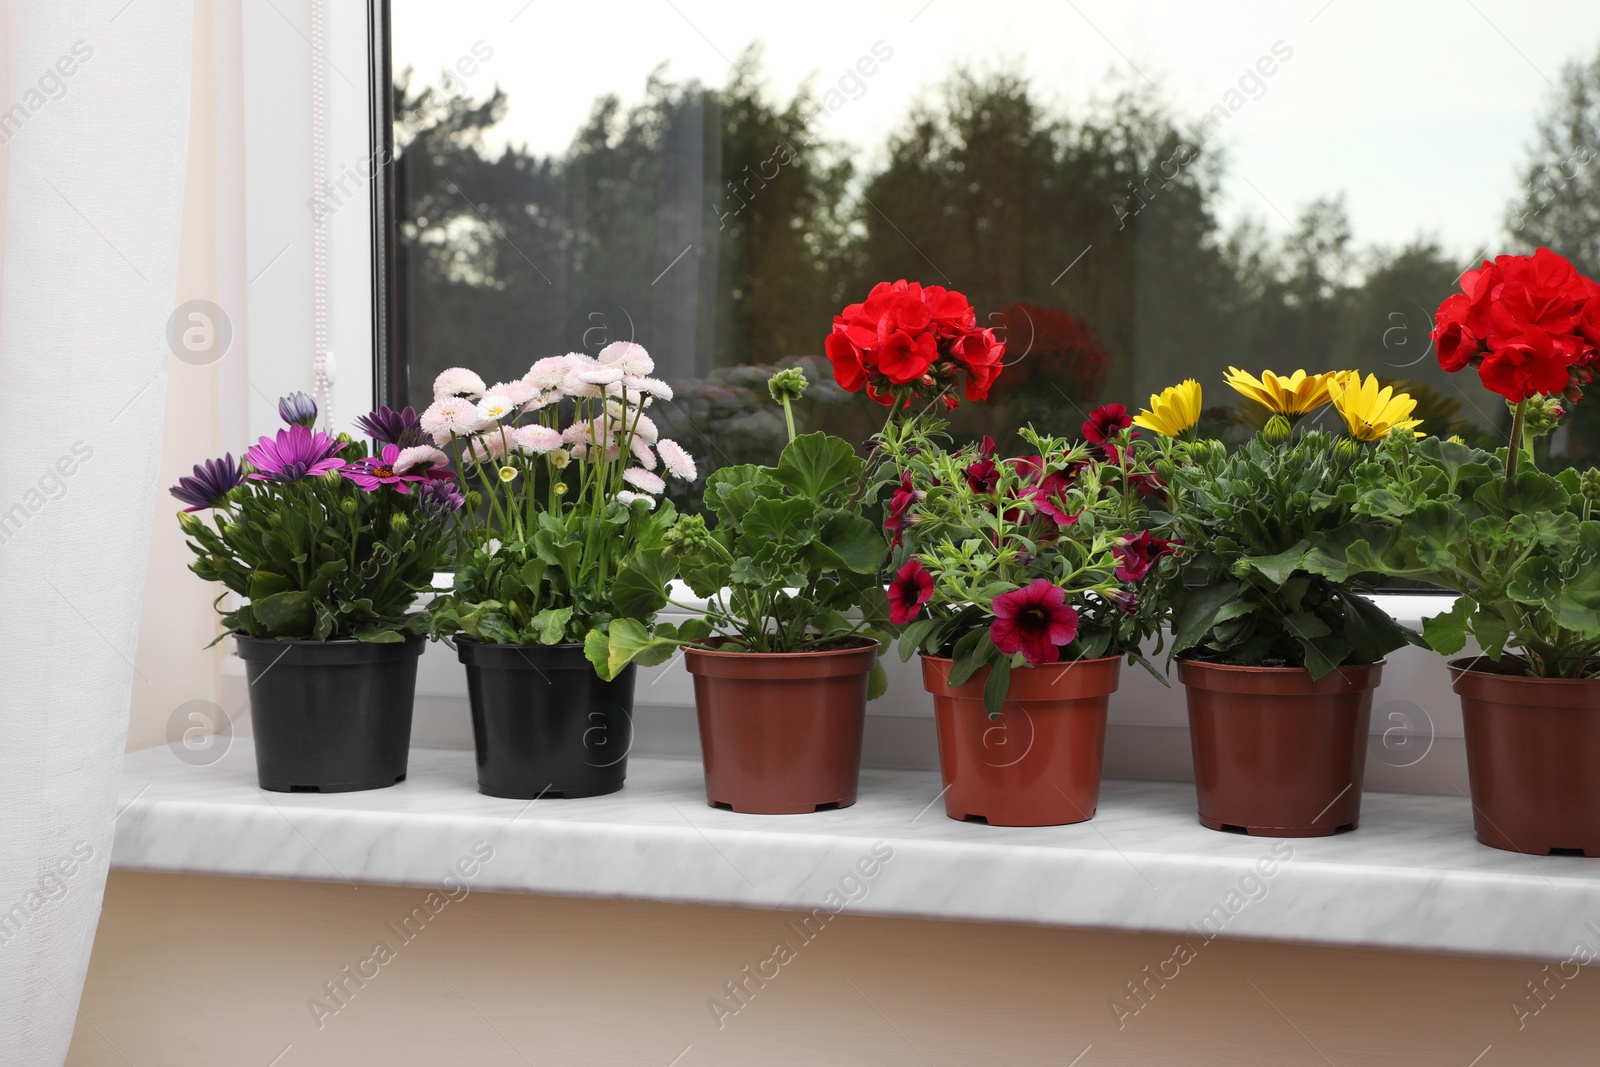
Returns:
(92,172)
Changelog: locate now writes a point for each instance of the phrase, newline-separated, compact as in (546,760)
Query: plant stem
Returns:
(788,417)
(1518,433)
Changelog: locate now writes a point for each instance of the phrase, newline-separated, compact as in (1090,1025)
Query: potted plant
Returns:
(1024,582)
(327,543)
(564,465)
(785,657)
(1278,658)
(1519,546)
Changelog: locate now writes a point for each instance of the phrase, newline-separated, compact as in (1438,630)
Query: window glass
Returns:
(1134,194)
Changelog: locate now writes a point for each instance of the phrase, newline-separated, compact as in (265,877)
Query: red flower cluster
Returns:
(1529,324)
(912,587)
(908,340)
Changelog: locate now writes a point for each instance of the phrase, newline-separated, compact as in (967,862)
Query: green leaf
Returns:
(856,542)
(997,686)
(624,642)
(1446,633)
(1491,631)
(1277,569)
(911,637)
(373,636)
(1197,612)
(731,491)
(970,653)
(551,624)
(815,465)
(265,583)
(877,681)
(1532,491)
(777,523)
(640,588)
(285,613)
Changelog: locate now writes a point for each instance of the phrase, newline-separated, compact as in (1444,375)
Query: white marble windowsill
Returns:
(1412,877)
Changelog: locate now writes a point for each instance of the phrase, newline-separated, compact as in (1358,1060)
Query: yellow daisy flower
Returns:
(1172,411)
(1296,395)
(1369,413)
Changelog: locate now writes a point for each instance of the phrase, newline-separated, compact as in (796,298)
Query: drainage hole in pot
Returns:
(976,818)
(720,806)
(1230,828)
(305,789)
(832,805)
(1566,852)
(1346,828)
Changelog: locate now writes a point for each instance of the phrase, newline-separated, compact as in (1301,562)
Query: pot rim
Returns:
(1026,667)
(1464,665)
(718,653)
(337,642)
(1242,668)
(464,639)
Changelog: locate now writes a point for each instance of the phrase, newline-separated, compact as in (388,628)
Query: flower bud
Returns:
(331,479)
(1277,430)
(348,505)
(508,473)
(1163,469)
(560,489)
(232,530)
(474,500)
(399,521)
(1241,568)
(1543,414)
(1347,449)
(788,384)
(190,523)
(1590,484)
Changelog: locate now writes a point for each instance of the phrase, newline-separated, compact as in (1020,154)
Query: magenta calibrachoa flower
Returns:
(293,454)
(912,587)
(1035,620)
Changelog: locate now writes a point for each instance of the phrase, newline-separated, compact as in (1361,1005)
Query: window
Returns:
(1134,194)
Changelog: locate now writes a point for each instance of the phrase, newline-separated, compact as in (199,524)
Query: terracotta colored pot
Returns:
(1275,753)
(780,732)
(1533,749)
(1038,764)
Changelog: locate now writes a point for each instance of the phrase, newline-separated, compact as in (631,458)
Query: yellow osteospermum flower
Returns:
(1293,396)
(1369,413)
(1173,410)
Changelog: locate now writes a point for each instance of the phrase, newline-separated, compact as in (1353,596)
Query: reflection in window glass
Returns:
(1133,194)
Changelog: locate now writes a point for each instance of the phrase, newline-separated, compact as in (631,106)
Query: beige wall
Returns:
(192,971)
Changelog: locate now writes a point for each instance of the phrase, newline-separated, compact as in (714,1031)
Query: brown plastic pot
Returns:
(1533,746)
(1038,764)
(780,732)
(1277,754)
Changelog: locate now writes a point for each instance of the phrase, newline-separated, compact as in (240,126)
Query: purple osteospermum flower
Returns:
(368,474)
(294,454)
(390,427)
(297,409)
(208,486)
(439,498)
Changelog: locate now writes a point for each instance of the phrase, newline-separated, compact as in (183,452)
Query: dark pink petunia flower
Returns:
(1136,555)
(1035,620)
(1105,421)
(912,587)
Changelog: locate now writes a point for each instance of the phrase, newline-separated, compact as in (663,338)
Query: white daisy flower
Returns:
(486,447)
(423,456)
(547,373)
(495,407)
(600,375)
(458,381)
(641,452)
(449,415)
(678,462)
(519,391)
(580,451)
(645,429)
(536,440)
(578,433)
(631,358)
(628,496)
(494,545)
(648,386)
(574,386)
(640,478)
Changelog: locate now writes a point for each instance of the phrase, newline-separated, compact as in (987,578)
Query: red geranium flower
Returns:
(1105,421)
(908,340)
(1138,554)
(912,587)
(1034,620)
(1530,324)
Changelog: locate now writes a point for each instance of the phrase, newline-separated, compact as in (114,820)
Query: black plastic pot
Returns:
(543,722)
(330,716)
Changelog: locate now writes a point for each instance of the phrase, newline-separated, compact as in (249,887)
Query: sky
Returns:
(1420,112)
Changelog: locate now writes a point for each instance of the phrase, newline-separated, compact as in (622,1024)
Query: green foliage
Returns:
(319,559)
(980,542)
(790,565)
(1524,552)
(1269,582)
